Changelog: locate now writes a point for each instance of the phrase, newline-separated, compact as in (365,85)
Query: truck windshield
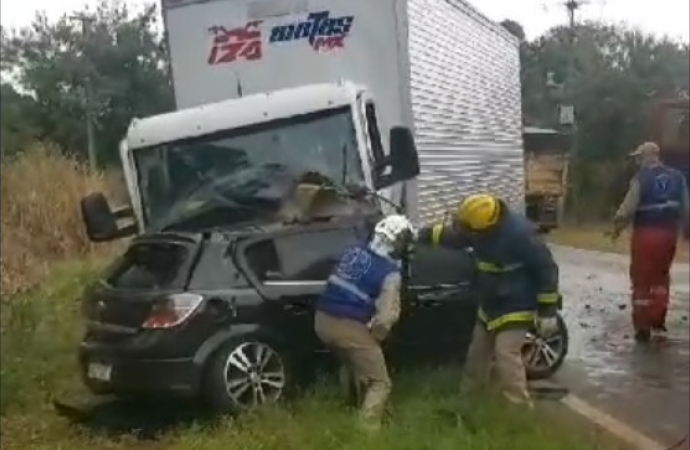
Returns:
(229,168)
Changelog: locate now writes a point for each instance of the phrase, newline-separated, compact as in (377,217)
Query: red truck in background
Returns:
(669,126)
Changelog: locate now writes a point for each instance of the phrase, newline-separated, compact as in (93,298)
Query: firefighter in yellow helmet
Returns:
(518,284)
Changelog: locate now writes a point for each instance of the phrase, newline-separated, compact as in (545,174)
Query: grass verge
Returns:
(592,237)
(40,333)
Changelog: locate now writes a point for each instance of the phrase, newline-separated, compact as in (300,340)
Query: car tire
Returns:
(543,357)
(244,374)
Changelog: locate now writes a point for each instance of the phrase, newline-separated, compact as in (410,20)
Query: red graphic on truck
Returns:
(235,44)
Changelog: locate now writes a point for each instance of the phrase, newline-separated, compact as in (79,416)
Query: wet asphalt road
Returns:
(645,386)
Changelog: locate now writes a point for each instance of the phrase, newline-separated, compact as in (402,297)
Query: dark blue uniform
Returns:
(661,195)
(355,285)
(517,276)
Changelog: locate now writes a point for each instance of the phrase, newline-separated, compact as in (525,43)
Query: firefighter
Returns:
(360,305)
(518,285)
(657,205)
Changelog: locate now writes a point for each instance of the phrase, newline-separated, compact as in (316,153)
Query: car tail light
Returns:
(172,310)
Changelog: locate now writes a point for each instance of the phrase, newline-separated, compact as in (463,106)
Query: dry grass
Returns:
(41,223)
(592,237)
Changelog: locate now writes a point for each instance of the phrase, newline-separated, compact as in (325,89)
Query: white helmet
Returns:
(392,235)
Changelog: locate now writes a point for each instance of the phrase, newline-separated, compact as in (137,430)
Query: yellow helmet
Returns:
(478,212)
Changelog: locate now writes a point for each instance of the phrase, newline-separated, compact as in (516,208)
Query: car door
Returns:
(438,307)
(302,262)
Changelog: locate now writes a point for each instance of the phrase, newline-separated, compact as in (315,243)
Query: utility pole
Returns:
(567,113)
(86,22)
(572,6)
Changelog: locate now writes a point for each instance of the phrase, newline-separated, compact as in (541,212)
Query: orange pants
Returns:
(651,255)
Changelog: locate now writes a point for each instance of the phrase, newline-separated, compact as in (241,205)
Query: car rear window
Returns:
(149,266)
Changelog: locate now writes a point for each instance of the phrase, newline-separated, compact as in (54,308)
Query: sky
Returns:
(659,17)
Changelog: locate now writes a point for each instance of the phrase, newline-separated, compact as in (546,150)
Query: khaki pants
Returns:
(504,349)
(357,349)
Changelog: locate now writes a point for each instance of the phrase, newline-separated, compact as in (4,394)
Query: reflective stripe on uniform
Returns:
(337,281)
(436,231)
(484,266)
(550,298)
(671,204)
(658,290)
(514,317)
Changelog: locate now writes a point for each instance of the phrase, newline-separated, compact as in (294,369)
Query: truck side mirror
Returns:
(101,221)
(403,159)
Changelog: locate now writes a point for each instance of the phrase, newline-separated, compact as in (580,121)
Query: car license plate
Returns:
(100,372)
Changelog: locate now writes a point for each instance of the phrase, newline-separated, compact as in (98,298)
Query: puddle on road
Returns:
(601,343)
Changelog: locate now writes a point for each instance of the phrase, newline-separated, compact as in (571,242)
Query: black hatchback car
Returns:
(226,313)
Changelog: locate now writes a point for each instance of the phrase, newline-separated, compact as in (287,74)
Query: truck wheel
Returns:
(245,374)
(544,355)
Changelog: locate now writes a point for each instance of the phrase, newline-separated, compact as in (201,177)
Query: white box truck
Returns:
(419,99)
(319,85)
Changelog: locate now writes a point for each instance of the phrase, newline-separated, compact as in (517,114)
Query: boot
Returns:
(519,401)
(659,334)
(369,425)
(643,336)
(374,406)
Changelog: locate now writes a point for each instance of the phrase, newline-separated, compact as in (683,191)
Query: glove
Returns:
(618,227)
(378,331)
(546,326)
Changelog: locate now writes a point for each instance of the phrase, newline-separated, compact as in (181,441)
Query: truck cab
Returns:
(178,165)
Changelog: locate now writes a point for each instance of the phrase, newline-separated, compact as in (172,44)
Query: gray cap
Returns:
(646,149)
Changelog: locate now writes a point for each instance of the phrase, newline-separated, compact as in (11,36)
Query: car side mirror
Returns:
(403,159)
(101,222)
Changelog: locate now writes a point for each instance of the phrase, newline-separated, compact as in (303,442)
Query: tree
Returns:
(514,28)
(18,126)
(618,73)
(120,52)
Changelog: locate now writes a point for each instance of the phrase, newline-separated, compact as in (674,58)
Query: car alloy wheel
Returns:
(254,375)
(543,353)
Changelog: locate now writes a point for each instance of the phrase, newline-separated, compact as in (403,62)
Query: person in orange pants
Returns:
(657,205)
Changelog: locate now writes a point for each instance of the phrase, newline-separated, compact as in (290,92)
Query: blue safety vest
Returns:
(356,283)
(661,193)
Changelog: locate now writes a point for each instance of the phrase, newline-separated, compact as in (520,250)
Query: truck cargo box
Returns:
(436,66)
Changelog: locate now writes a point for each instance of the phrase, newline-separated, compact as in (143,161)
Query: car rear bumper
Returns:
(106,372)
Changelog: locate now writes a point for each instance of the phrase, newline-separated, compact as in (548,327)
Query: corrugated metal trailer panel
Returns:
(465,76)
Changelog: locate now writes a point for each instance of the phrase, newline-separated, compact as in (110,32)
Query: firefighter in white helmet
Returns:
(359,307)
